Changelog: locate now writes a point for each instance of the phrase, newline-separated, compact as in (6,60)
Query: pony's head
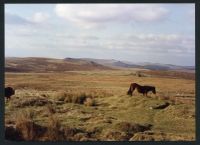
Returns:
(132,88)
(129,92)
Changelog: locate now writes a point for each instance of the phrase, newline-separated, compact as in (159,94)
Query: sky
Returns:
(157,33)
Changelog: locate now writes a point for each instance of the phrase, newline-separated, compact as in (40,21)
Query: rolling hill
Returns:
(38,64)
(35,64)
(145,65)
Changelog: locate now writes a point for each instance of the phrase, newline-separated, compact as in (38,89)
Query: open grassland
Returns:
(93,105)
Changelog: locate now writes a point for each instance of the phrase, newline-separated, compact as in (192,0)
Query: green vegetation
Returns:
(93,105)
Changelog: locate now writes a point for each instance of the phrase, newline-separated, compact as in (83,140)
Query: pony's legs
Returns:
(132,89)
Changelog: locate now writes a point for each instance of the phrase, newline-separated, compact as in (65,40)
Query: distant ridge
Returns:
(40,64)
(145,65)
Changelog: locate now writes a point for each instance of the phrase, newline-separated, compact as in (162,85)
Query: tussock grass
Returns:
(159,136)
(132,128)
(54,132)
(89,106)
(25,124)
(69,132)
(77,98)
(123,131)
(89,102)
(51,109)
(31,101)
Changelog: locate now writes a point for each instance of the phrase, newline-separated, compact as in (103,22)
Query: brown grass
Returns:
(89,102)
(123,131)
(51,109)
(93,105)
(24,123)
(159,136)
(54,132)
(131,128)
(31,101)
(77,98)
(115,136)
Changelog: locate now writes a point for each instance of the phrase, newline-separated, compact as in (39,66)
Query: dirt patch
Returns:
(161,106)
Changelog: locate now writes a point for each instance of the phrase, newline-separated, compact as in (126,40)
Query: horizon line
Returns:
(124,61)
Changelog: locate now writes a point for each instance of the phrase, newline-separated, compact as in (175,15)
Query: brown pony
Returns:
(141,89)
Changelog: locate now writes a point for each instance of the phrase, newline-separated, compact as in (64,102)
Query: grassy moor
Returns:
(100,72)
(89,102)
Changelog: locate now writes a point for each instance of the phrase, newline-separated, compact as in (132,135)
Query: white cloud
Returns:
(153,44)
(40,17)
(89,15)
(35,33)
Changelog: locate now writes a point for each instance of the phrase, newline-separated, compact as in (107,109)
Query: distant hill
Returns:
(159,66)
(37,64)
(146,65)
(126,65)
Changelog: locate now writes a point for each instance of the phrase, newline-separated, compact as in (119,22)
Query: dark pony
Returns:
(141,89)
(9,91)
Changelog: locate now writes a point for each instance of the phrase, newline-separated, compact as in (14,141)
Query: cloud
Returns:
(40,17)
(36,18)
(89,15)
(153,44)
(15,19)
(136,30)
